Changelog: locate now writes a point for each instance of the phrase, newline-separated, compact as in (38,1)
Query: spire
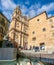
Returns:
(17,10)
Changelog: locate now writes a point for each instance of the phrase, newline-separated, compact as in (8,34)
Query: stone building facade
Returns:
(35,32)
(4,24)
(41,32)
(18,31)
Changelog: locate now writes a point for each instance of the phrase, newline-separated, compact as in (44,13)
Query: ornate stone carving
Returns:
(17,10)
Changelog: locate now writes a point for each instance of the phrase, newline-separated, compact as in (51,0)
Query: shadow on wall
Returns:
(1,44)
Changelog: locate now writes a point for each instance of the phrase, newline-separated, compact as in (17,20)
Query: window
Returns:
(33,32)
(42,46)
(37,19)
(44,29)
(34,38)
(52,26)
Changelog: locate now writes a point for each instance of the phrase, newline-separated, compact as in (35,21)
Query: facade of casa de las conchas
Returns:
(41,32)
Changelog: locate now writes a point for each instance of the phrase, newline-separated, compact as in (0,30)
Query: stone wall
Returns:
(8,53)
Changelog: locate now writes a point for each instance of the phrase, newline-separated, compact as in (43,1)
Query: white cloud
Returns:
(37,9)
(32,13)
(49,15)
(7,14)
(27,2)
(7,8)
(47,8)
(8,4)
(24,9)
(35,6)
(33,10)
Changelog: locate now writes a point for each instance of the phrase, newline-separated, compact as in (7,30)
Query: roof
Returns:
(40,14)
(4,16)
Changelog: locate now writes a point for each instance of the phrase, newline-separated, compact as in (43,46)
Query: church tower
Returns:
(18,31)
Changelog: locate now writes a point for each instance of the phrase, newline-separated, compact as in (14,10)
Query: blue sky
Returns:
(29,8)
